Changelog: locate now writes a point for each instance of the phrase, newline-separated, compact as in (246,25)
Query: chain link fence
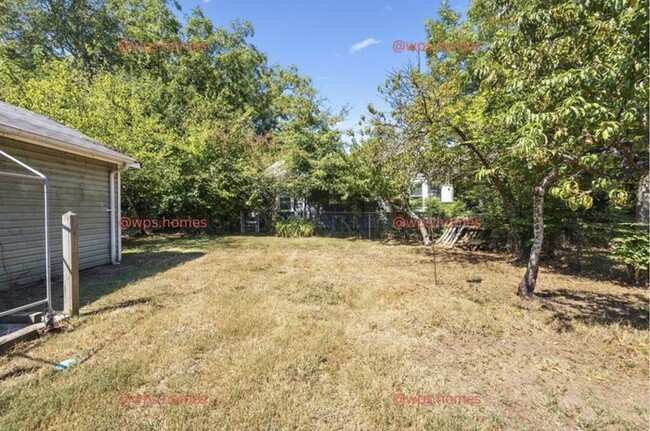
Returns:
(368,225)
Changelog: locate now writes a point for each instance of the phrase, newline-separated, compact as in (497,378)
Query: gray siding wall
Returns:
(76,184)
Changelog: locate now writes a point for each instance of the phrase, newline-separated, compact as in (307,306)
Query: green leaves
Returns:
(294,228)
(193,119)
(618,197)
(632,247)
(569,191)
(483,173)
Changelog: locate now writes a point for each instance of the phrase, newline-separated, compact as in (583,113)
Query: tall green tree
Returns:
(569,81)
(206,125)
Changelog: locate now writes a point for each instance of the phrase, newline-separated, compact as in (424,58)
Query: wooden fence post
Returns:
(70,265)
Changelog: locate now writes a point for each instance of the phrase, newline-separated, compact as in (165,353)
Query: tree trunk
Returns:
(421,225)
(527,285)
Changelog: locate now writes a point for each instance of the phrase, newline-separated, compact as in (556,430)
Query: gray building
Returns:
(83,176)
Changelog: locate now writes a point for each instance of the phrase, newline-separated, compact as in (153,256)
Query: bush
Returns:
(294,228)
(632,249)
(447,211)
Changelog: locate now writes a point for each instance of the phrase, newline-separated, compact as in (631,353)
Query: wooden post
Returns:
(70,265)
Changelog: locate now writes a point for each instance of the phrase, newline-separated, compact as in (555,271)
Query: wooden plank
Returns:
(450,234)
(444,235)
(28,333)
(455,239)
(24,318)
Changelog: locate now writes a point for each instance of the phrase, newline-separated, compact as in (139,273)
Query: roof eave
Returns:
(56,144)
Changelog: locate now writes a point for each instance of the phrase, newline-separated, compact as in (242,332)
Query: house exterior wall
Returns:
(76,184)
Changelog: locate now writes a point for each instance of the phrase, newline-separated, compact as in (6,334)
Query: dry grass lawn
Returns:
(332,334)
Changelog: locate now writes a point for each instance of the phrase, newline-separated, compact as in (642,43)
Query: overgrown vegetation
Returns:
(217,132)
(294,228)
(632,248)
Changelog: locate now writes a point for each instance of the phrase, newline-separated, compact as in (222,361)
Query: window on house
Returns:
(417,191)
(285,204)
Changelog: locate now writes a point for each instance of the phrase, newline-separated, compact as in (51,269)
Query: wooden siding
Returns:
(76,184)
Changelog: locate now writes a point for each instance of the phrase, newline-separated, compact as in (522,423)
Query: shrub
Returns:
(632,249)
(294,228)
(447,210)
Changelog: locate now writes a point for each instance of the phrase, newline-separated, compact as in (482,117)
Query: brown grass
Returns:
(321,334)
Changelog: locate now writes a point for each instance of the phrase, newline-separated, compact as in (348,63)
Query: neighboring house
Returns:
(292,207)
(422,190)
(83,177)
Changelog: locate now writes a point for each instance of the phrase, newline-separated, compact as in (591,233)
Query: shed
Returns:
(83,176)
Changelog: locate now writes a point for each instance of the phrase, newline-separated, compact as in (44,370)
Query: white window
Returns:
(285,204)
(417,191)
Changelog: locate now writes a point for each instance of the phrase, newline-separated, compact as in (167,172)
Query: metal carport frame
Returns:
(48,283)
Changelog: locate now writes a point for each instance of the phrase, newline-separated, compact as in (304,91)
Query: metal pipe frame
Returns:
(48,270)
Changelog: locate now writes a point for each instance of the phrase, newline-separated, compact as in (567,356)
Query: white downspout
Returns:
(119,215)
(116,208)
(112,211)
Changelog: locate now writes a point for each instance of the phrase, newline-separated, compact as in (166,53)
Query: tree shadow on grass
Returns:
(160,242)
(119,305)
(100,281)
(149,259)
(596,264)
(461,256)
(593,264)
(594,308)
(103,280)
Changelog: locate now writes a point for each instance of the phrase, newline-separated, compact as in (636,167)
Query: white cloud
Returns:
(363,44)
(207,1)
(388,7)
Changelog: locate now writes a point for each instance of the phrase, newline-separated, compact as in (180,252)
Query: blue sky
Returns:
(318,37)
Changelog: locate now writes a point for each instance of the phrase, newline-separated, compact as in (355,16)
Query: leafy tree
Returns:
(206,125)
(440,115)
(555,100)
(569,82)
